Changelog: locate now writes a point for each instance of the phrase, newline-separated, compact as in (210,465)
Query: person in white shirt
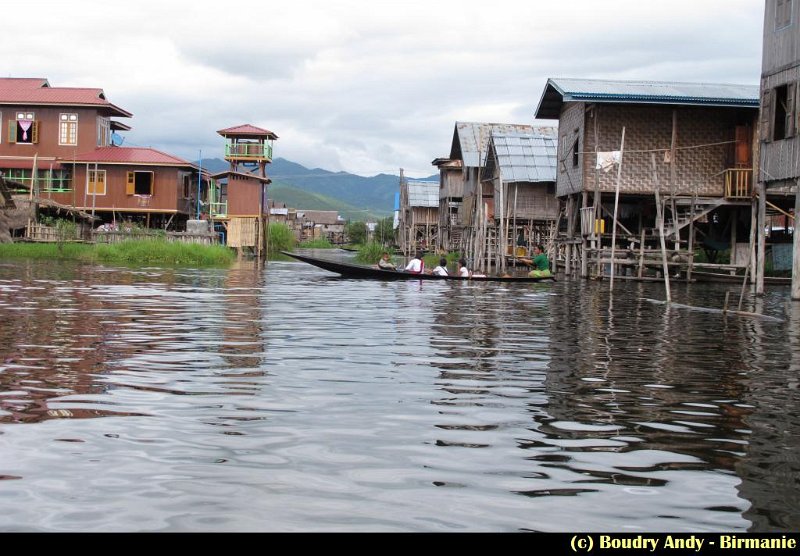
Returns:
(463,271)
(416,265)
(441,270)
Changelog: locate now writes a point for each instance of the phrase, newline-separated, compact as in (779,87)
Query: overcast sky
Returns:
(365,87)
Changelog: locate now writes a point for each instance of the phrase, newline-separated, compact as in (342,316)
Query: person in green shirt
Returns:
(540,263)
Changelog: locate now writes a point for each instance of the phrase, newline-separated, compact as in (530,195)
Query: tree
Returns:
(384,231)
(356,232)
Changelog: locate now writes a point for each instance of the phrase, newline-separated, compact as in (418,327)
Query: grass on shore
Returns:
(127,252)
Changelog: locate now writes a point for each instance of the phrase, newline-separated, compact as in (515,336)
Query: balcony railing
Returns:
(738,183)
(248,151)
(219,210)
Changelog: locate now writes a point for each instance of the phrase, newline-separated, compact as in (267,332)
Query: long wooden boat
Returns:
(358,271)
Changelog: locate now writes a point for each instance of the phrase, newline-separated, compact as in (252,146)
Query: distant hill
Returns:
(355,193)
(299,198)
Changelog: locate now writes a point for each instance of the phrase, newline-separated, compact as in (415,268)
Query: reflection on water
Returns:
(289,399)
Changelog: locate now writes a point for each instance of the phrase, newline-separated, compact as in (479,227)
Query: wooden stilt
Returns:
(660,219)
(616,207)
(762,240)
(796,247)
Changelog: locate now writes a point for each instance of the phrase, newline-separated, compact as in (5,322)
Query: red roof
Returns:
(130,155)
(14,90)
(247,129)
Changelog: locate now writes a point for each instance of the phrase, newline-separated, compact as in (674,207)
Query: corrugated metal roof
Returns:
(470,139)
(38,91)
(423,193)
(130,155)
(560,90)
(246,130)
(525,157)
(327,217)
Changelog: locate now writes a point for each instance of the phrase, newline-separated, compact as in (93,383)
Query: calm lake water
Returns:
(292,400)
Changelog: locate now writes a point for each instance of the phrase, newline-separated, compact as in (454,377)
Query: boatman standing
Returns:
(416,265)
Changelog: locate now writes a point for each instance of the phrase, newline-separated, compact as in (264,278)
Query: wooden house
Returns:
(419,215)
(62,142)
(779,163)
(238,197)
(691,142)
(136,183)
(451,201)
(520,170)
(321,224)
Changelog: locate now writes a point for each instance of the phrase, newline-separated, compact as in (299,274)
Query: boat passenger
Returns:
(386,263)
(416,265)
(463,271)
(441,270)
(541,265)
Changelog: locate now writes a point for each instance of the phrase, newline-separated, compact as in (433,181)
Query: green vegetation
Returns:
(370,253)
(128,252)
(280,238)
(319,243)
(75,251)
(384,231)
(66,230)
(164,252)
(356,232)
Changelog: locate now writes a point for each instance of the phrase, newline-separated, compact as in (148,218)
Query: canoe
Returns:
(359,271)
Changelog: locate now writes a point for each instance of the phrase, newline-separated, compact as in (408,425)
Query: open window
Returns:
(576,149)
(24,129)
(139,183)
(783,121)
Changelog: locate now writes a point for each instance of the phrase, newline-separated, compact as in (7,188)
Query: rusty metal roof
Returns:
(470,139)
(558,91)
(423,193)
(523,157)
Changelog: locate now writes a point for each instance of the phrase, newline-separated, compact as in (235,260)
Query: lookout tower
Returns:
(247,145)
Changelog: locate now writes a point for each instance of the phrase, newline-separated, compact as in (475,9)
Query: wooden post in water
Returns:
(616,206)
(796,246)
(762,240)
(660,219)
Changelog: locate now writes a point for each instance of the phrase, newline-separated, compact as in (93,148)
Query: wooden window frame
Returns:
(103,131)
(64,126)
(130,183)
(13,125)
(783,23)
(91,182)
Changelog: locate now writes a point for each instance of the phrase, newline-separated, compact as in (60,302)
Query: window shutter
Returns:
(766,114)
(12,131)
(130,186)
(35,132)
(790,94)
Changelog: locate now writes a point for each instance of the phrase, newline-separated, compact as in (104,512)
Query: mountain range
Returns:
(355,197)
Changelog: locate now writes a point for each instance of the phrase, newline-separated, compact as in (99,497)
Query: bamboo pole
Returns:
(616,205)
(596,238)
(796,248)
(691,238)
(641,255)
(660,218)
(762,240)
(516,187)
(673,181)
